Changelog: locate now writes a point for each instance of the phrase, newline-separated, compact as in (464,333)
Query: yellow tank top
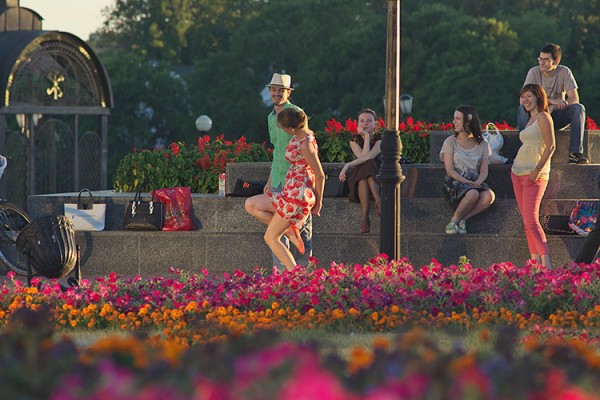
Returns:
(531,151)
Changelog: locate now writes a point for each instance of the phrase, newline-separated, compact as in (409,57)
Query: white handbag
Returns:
(496,141)
(86,215)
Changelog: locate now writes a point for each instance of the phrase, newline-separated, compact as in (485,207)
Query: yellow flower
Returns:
(359,359)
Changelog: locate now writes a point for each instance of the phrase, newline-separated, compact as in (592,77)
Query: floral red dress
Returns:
(297,198)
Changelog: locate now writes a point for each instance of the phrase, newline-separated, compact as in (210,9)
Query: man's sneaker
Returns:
(451,228)
(578,158)
(462,226)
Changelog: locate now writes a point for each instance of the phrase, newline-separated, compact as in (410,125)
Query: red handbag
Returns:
(177,206)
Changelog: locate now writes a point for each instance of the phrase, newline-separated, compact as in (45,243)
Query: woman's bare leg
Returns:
(486,198)
(260,207)
(546,261)
(275,230)
(374,187)
(466,204)
(363,197)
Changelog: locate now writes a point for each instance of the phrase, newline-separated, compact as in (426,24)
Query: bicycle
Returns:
(12,220)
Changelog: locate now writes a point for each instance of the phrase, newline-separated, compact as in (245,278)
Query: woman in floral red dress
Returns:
(302,193)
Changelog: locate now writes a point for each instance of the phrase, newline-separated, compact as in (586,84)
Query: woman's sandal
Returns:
(365,228)
(294,235)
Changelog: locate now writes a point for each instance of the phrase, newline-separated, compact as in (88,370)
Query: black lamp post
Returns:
(390,174)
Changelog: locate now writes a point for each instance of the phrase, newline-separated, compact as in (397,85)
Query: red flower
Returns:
(174,148)
(332,126)
(351,126)
(590,124)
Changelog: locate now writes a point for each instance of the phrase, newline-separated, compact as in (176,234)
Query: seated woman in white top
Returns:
(466,158)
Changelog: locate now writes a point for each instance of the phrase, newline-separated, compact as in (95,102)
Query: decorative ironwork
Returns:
(90,154)
(14,179)
(69,69)
(54,160)
(55,91)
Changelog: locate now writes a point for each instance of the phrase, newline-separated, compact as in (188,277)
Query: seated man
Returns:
(558,81)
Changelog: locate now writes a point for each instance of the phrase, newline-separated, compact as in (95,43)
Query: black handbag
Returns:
(556,225)
(334,187)
(245,188)
(143,215)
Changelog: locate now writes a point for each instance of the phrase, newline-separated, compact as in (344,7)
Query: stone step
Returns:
(425,180)
(154,253)
(213,214)
(591,145)
(229,239)
(420,216)
(484,249)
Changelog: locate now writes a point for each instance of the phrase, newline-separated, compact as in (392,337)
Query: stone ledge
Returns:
(591,146)
(215,215)
(425,180)
(151,254)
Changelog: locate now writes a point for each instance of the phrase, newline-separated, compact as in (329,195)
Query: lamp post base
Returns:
(390,176)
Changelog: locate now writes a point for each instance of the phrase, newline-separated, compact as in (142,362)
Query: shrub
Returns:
(333,140)
(199,166)
(182,165)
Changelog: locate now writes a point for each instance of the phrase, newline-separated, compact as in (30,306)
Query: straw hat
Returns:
(281,80)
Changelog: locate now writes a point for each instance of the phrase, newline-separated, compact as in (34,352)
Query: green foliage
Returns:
(341,70)
(150,104)
(452,52)
(197,167)
(334,147)
(334,140)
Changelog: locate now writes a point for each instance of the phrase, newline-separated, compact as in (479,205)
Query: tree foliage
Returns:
(452,52)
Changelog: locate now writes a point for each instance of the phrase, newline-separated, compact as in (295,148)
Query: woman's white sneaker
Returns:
(462,226)
(451,228)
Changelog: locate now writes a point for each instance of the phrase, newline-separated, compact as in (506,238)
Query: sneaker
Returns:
(578,158)
(462,226)
(451,228)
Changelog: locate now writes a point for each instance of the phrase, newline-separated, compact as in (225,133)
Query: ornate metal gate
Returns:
(57,90)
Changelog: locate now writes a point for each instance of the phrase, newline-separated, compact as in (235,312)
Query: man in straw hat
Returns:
(280,89)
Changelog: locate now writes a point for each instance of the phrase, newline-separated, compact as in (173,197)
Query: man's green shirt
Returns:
(280,140)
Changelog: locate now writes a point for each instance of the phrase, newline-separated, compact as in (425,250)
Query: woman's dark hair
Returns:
(539,92)
(292,118)
(471,122)
(368,111)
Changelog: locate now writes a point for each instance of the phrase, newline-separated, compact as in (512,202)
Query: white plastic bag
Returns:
(492,135)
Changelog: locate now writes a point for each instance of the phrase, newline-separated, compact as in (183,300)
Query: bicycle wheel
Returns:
(12,220)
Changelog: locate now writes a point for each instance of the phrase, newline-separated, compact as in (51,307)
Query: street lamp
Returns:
(203,124)
(390,173)
(406,101)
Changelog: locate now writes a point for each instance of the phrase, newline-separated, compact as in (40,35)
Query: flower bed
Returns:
(195,336)
(379,296)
